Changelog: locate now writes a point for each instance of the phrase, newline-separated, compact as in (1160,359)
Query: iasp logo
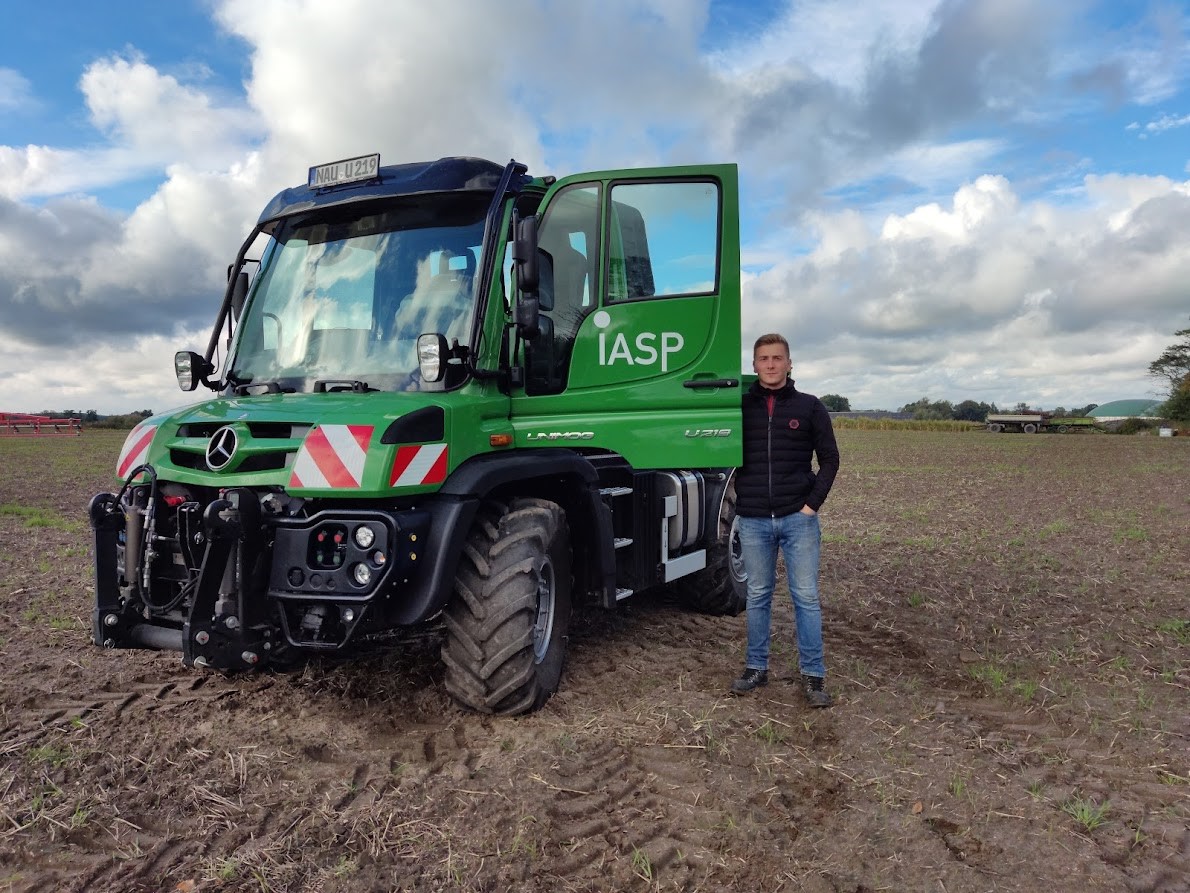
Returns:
(646,349)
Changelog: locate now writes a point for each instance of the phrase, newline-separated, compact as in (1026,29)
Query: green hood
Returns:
(345,444)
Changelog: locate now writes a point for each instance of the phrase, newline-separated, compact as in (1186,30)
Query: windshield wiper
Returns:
(329,385)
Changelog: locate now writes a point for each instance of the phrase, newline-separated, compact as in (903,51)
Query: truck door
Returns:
(639,350)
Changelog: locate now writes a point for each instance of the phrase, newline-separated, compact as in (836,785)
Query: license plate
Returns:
(349,170)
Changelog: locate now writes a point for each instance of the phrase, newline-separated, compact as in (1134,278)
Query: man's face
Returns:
(772,365)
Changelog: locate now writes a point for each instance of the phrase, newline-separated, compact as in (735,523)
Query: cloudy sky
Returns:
(966,199)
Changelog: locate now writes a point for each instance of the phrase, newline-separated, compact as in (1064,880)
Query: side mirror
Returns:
(528,277)
(239,294)
(192,369)
(528,318)
(431,357)
(524,254)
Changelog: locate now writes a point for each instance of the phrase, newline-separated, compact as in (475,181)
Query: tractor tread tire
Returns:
(708,591)
(489,648)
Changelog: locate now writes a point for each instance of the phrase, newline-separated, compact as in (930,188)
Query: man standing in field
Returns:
(778,496)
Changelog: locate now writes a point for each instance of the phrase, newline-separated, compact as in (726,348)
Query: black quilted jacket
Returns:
(783,431)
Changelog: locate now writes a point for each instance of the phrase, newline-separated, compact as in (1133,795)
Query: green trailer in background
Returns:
(1034,423)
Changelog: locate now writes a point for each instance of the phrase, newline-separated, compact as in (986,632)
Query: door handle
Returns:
(700,383)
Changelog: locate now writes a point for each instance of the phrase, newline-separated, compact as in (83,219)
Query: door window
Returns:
(664,240)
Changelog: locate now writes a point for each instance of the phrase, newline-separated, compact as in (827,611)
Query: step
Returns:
(622,541)
(622,594)
(614,491)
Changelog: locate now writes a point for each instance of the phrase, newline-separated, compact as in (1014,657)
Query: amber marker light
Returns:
(500,440)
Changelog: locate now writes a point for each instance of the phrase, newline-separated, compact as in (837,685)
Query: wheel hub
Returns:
(735,555)
(543,624)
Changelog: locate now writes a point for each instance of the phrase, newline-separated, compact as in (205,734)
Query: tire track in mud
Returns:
(650,645)
(146,696)
(1028,740)
(203,812)
(680,811)
(346,796)
(1031,732)
(42,713)
(618,801)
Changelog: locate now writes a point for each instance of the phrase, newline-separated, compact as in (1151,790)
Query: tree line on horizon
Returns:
(928,410)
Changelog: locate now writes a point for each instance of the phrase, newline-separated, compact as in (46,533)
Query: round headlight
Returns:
(364,536)
(379,557)
(362,574)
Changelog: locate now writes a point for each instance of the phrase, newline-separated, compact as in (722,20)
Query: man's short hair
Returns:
(770,338)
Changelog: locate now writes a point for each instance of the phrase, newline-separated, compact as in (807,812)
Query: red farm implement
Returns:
(18,424)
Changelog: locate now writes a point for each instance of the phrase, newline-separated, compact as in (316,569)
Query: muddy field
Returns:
(1007,623)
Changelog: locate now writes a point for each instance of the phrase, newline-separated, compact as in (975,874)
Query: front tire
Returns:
(508,623)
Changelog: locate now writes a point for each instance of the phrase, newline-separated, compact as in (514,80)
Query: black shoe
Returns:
(815,691)
(750,680)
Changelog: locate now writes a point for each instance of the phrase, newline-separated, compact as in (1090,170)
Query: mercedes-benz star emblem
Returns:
(221,447)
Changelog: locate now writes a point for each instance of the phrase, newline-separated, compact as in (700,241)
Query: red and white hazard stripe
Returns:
(415,465)
(332,457)
(135,450)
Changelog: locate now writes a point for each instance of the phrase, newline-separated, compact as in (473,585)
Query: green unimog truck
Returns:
(443,392)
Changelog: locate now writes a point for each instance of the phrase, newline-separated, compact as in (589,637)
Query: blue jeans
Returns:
(799,537)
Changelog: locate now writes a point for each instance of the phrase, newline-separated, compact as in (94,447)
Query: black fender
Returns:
(717,482)
(560,475)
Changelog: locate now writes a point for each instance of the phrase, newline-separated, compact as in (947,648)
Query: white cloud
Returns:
(410,80)
(831,40)
(161,120)
(42,170)
(932,165)
(148,120)
(15,90)
(985,202)
(1167,122)
(1156,55)
(136,374)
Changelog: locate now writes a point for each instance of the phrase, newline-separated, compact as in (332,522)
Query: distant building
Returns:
(1117,410)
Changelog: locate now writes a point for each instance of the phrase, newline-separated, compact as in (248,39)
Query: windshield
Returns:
(344,298)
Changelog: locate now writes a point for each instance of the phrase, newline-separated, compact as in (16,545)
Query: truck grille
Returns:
(259,462)
(258,430)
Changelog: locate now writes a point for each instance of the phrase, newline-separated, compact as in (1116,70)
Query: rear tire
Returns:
(508,622)
(721,588)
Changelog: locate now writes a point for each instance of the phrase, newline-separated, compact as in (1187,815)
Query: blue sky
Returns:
(969,199)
